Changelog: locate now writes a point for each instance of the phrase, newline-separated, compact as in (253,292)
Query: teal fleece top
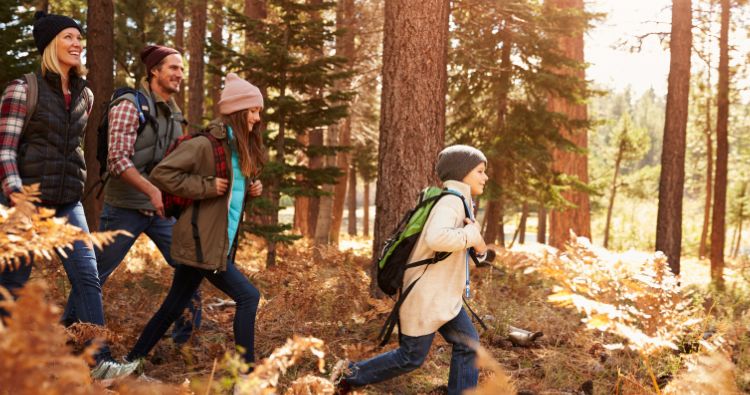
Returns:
(237,193)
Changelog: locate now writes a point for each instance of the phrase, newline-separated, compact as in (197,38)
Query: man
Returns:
(131,201)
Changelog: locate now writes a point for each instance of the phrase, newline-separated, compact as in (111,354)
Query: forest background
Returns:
(362,94)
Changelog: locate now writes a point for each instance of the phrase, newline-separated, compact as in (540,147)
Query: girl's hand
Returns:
(221,185)
(476,233)
(256,188)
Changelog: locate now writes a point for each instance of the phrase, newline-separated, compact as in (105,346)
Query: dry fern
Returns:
(27,230)
(498,383)
(706,374)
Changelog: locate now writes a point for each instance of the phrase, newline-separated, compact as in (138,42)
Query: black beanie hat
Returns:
(456,161)
(47,26)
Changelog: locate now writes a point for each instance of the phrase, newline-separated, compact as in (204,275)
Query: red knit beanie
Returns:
(238,95)
(153,54)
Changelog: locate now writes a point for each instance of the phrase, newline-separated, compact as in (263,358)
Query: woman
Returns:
(46,150)
(190,171)
(435,302)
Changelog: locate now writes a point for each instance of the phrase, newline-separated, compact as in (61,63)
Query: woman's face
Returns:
(69,47)
(476,179)
(253,117)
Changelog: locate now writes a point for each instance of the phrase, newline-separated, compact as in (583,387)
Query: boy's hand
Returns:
(256,188)
(221,185)
(475,233)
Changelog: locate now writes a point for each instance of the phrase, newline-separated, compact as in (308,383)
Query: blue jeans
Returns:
(186,280)
(80,266)
(412,352)
(159,230)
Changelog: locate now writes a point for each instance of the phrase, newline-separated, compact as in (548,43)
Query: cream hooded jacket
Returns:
(436,298)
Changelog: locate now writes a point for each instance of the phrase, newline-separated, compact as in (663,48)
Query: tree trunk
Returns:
(740,218)
(345,47)
(366,208)
(577,219)
(672,179)
(718,229)
(352,198)
(196,62)
(179,44)
(216,38)
(322,233)
(43,5)
(709,179)
(412,123)
(101,41)
(541,230)
(313,204)
(613,191)
(522,224)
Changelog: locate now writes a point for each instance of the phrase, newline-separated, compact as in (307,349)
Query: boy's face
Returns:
(476,179)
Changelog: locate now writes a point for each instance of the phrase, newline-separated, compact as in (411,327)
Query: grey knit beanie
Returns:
(456,161)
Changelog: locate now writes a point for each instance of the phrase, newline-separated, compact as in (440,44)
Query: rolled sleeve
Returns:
(12,118)
(123,130)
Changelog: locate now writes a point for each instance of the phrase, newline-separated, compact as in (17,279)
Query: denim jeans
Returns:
(159,230)
(412,352)
(80,266)
(186,280)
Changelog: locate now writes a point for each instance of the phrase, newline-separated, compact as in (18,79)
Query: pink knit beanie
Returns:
(238,95)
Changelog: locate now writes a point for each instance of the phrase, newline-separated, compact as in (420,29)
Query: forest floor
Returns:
(323,292)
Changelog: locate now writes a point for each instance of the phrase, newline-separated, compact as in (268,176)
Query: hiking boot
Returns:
(109,369)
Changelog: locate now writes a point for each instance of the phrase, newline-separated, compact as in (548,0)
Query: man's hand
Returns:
(256,188)
(221,185)
(154,197)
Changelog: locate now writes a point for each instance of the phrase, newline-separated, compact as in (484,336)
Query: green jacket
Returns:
(189,172)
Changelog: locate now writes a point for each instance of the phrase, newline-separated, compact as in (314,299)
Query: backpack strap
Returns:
(32,98)
(196,232)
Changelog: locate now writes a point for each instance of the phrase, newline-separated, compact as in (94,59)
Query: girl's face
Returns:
(69,47)
(476,179)
(253,117)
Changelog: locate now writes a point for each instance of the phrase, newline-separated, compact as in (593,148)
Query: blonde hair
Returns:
(51,63)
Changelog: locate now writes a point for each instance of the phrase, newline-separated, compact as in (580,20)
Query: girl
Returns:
(44,147)
(204,246)
(435,302)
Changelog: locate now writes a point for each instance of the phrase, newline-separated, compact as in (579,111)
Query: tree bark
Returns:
(345,17)
(216,38)
(322,234)
(672,179)
(352,198)
(412,123)
(522,224)
(709,179)
(613,191)
(101,43)
(179,44)
(541,230)
(577,219)
(196,63)
(718,227)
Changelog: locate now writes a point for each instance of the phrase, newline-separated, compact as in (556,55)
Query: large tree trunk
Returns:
(352,201)
(217,16)
(101,44)
(577,219)
(412,117)
(179,44)
(522,224)
(672,179)
(718,229)
(613,191)
(345,47)
(322,231)
(196,49)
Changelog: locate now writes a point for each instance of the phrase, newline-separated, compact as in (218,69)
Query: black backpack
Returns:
(145,117)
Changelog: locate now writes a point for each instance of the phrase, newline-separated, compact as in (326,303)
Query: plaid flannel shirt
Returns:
(123,130)
(12,117)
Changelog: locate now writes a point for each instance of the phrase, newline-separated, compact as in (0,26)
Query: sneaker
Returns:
(109,369)
(338,377)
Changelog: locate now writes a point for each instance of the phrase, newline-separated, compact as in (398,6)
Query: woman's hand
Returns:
(256,188)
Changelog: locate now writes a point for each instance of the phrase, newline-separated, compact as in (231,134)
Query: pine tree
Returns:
(18,54)
(280,61)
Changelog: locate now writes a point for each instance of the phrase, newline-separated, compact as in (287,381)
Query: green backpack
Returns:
(394,257)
